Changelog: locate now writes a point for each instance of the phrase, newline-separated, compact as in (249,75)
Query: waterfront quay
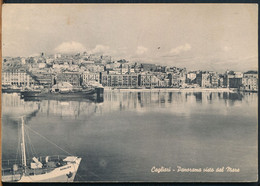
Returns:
(170,89)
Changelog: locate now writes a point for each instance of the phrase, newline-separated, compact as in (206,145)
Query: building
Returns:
(105,59)
(191,77)
(132,80)
(42,76)
(233,79)
(203,79)
(174,79)
(177,78)
(90,77)
(214,79)
(23,60)
(148,80)
(56,56)
(250,81)
(137,67)
(148,67)
(124,68)
(235,82)
(74,78)
(18,77)
(41,65)
(94,68)
(120,80)
(160,79)
(221,80)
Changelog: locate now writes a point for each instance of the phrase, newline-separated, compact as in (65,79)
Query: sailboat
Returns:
(41,169)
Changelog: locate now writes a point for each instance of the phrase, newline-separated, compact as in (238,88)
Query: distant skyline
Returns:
(196,36)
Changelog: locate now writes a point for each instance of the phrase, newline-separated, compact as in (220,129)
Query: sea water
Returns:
(142,136)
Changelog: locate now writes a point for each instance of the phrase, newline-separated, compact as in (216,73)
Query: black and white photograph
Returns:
(129,93)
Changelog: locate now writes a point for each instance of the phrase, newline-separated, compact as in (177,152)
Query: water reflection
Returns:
(232,96)
(118,101)
(198,96)
(129,132)
(13,106)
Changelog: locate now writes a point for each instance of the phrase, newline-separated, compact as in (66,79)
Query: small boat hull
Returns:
(57,94)
(64,173)
(95,94)
(9,90)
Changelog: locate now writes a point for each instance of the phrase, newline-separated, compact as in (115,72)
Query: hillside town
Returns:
(83,68)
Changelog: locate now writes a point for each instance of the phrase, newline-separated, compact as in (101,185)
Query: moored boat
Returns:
(11,89)
(42,169)
(50,94)
(62,90)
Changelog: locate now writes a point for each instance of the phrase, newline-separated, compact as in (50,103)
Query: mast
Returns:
(23,145)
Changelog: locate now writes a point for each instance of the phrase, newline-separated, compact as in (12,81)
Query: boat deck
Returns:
(10,174)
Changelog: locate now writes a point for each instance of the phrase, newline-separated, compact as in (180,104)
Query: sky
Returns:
(215,37)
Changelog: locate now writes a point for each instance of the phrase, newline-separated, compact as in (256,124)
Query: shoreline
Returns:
(171,90)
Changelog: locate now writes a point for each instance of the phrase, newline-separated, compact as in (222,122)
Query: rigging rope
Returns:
(77,177)
(94,174)
(30,143)
(48,140)
(18,147)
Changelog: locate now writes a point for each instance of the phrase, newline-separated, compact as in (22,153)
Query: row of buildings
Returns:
(247,81)
(82,69)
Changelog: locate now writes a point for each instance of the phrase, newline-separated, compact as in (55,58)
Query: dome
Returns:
(62,85)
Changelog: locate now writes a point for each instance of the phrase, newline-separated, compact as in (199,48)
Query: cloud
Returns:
(70,47)
(227,48)
(101,49)
(141,50)
(180,49)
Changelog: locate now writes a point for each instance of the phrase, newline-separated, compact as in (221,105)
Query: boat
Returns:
(11,89)
(51,94)
(63,90)
(42,169)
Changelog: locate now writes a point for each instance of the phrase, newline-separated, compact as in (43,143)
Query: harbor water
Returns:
(129,136)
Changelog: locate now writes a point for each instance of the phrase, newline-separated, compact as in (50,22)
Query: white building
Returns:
(16,77)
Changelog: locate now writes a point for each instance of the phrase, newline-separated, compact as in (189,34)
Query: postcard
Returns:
(129,93)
